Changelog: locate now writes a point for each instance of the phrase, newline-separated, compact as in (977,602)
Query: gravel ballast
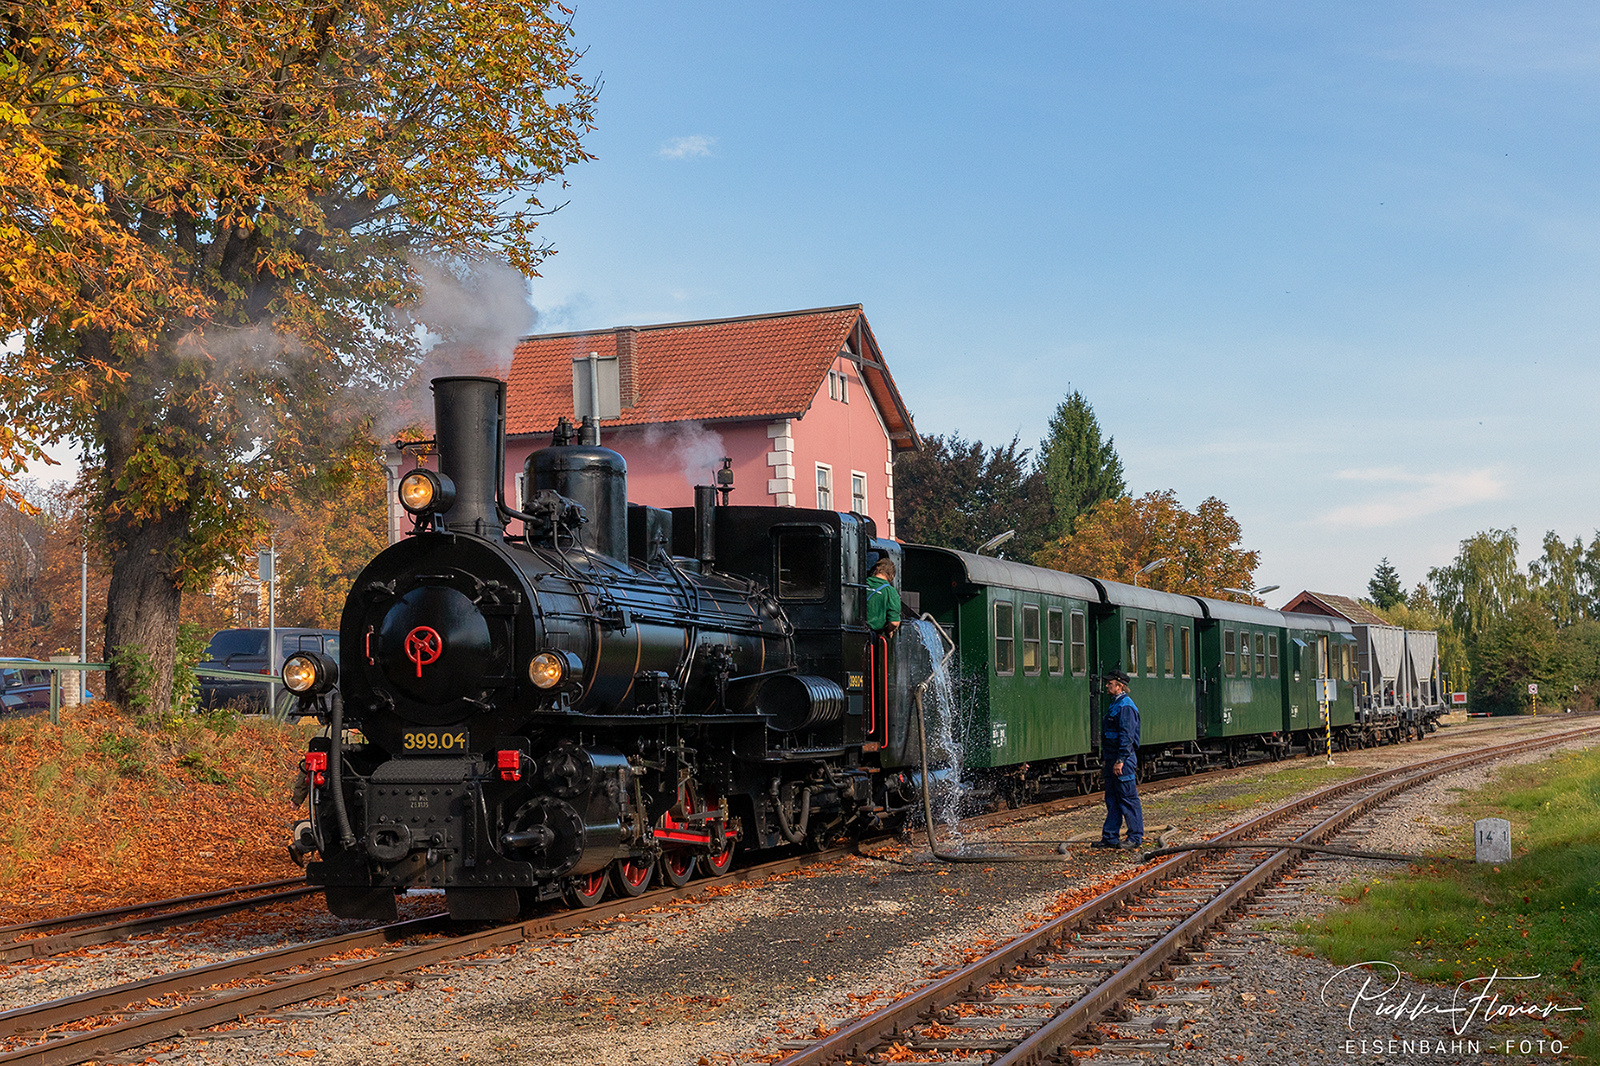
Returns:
(734,974)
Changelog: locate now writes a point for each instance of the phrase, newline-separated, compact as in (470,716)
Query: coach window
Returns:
(1055,643)
(1183,636)
(1272,655)
(1244,654)
(1171,659)
(1133,647)
(1030,639)
(1150,649)
(824,487)
(1261,654)
(1080,648)
(1004,636)
(1228,655)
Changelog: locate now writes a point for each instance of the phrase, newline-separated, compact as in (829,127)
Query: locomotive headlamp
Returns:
(546,670)
(551,668)
(309,672)
(426,491)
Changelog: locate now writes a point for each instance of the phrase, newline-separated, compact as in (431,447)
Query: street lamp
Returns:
(1253,595)
(995,541)
(1146,568)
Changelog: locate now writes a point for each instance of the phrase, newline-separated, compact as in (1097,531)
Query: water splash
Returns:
(947,715)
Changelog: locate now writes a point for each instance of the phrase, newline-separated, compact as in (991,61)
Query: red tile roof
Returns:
(718,370)
(1328,604)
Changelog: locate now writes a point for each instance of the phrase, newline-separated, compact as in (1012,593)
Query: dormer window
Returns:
(838,386)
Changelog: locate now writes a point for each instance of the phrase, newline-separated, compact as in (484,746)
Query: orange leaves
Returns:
(1120,536)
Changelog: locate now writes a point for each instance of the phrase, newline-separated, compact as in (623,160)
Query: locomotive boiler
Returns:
(578,694)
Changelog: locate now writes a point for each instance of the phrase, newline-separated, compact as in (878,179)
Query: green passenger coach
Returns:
(1151,635)
(1023,637)
(1242,704)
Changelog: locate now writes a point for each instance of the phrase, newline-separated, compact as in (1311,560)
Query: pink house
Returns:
(800,401)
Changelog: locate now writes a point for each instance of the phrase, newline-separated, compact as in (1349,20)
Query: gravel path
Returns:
(732,975)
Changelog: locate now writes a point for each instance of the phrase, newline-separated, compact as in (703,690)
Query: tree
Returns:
(334,527)
(1482,584)
(41,570)
(1385,586)
(955,493)
(1079,470)
(1123,535)
(207,215)
(1568,578)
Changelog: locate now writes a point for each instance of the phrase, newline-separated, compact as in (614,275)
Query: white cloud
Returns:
(687,147)
(1409,496)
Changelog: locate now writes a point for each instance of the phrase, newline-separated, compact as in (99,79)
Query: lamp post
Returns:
(995,541)
(1146,568)
(1253,594)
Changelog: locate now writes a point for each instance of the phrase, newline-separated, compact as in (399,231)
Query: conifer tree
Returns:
(1080,470)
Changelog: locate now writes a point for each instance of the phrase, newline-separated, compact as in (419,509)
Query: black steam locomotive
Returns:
(610,694)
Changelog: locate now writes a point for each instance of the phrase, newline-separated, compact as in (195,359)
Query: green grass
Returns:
(1537,914)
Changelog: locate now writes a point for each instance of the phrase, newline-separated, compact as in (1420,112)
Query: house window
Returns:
(1030,639)
(1261,654)
(1004,635)
(1272,655)
(1228,653)
(1184,639)
(1150,649)
(824,487)
(1080,651)
(858,492)
(1171,658)
(1055,643)
(838,386)
(1133,648)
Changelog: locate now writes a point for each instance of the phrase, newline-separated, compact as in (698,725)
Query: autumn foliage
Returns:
(209,214)
(1123,535)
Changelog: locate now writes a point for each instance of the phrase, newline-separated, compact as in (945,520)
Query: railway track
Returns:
(52,936)
(95,1024)
(1026,1001)
(89,1026)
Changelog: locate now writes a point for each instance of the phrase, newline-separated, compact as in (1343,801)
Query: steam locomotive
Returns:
(583,695)
(615,693)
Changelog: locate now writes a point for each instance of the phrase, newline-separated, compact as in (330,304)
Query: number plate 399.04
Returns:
(433,740)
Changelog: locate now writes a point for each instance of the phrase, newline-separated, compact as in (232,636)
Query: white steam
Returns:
(697,451)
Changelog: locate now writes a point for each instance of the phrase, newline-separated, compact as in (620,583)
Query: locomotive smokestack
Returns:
(470,415)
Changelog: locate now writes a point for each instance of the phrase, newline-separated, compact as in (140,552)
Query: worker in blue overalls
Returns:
(1119,755)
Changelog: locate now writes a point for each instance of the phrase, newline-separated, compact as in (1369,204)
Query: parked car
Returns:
(245,650)
(24,691)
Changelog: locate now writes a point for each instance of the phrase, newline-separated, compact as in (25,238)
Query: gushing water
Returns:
(946,714)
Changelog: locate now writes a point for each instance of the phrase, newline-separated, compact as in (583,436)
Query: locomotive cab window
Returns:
(801,564)
(1080,656)
(1004,638)
(1030,639)
(1228,653)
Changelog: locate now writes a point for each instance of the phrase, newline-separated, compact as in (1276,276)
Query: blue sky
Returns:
(1334,264)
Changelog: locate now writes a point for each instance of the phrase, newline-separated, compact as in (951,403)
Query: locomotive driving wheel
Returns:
(587,890)
(630,877)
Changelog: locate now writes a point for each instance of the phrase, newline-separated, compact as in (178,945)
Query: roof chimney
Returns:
(628,364)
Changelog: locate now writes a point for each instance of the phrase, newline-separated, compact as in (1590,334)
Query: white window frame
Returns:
(824,487)
(858,504)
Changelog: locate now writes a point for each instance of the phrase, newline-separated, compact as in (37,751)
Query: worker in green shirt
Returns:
(883,599)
